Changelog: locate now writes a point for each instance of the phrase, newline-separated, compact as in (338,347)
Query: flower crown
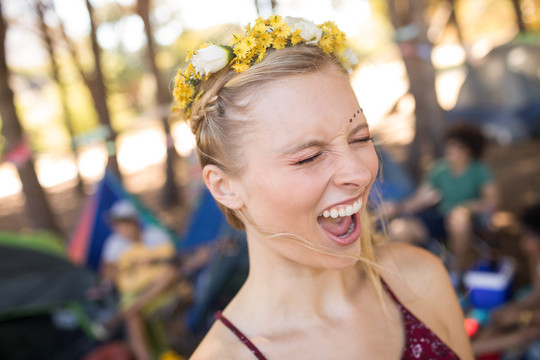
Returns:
(251,47)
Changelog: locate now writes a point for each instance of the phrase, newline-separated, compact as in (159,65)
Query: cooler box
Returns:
(489,284)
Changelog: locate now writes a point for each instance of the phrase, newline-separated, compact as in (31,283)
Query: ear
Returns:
(221,186)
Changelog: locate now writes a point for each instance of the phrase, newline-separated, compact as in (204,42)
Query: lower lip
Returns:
(352,237)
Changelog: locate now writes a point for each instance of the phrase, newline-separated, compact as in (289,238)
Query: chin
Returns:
(335,262)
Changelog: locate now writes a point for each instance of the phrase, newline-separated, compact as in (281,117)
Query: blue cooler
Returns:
(489,285)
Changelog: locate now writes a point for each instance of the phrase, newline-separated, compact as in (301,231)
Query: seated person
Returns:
(140,262)
(458,191)
(517,324)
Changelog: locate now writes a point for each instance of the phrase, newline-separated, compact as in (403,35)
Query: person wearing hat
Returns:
(139,261)
(124,221)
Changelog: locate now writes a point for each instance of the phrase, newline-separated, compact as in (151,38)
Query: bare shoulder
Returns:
(220,343)
(415,275)
(412,266)
(421,283)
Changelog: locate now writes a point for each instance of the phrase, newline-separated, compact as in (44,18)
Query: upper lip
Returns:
(349,201)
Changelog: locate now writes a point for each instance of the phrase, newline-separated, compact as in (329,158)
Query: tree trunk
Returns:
(411,34)
(171,195)
(258,3)
(519,16)
(40,9)
(99,94)
(37,206)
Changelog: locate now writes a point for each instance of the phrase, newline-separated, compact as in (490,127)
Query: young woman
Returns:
(287,153)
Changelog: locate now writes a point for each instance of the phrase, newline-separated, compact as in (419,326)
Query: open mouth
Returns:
(342,224)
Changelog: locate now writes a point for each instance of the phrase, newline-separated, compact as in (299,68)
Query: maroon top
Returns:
(421,342)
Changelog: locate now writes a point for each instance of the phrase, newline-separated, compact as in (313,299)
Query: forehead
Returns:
(312,102)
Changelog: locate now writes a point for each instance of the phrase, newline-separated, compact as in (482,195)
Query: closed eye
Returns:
(308,160)
(362,140)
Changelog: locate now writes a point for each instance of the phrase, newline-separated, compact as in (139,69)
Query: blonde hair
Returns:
(218,121)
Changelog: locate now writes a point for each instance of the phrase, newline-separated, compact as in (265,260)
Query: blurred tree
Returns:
(519,16)
(442,18)
(99,94)
(41,8)
(407,17)
(171,195)
(36,205)
(261,5)
(95,83)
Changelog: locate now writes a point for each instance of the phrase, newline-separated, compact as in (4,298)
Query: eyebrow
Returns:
(319,143)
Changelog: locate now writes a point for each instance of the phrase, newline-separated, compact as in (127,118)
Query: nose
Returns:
(355,169)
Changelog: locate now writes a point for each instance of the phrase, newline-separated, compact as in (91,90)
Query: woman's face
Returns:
(310,164)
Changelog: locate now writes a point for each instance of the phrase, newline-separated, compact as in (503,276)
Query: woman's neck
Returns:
(287,289)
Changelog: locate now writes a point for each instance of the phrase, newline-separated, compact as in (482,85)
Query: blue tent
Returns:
(206,225)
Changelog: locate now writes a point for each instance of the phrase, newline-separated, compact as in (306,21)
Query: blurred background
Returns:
(86,86)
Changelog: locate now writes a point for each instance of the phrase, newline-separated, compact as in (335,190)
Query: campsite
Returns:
(94,145)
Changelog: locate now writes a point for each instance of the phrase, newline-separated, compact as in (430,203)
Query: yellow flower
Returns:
(189,54)
(183,92)
(235,38)
(240,66)
(260,28)
(274,21)
(326,43)
(279,43)
(265,40)
(283,30)
(242,48)
(171,355)
(295,37)
(260,56)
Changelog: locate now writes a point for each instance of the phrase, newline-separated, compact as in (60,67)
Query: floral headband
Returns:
(251,47)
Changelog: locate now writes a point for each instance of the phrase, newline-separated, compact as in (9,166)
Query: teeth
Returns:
(343,211)
(357,205)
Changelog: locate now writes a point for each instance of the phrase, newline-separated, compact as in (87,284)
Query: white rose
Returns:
(211,59)
(349,58)
(309,31)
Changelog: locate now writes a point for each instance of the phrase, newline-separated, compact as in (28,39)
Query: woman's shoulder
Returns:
(413,273)
(221,343)
(421,283)
(409,260)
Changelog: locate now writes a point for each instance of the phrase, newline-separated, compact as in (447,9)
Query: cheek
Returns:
(373,162)
(277,201)
(370,161)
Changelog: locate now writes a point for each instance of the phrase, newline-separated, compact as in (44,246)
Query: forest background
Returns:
(86,85)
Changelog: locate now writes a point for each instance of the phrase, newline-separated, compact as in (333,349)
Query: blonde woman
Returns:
(287,153)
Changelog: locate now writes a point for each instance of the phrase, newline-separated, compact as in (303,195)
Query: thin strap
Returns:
(240,335)
(389,291)
(401,307)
